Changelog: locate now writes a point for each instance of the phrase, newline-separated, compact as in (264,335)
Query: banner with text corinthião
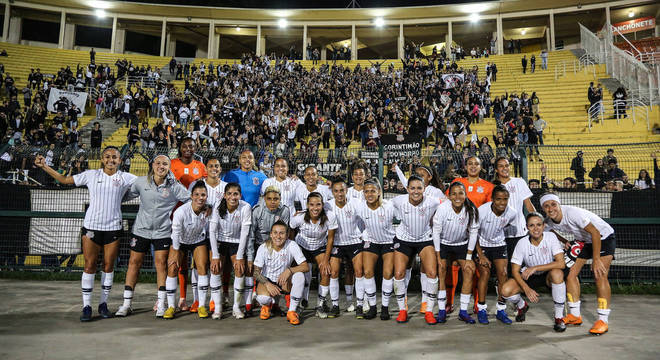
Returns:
(396,147)
(68,97)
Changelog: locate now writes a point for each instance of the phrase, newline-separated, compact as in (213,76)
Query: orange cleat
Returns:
(293,318)
(571,319)
(194,306)
(422,308)
(212,306)
(430,318)
(599,328)
(403,317)
(265,312)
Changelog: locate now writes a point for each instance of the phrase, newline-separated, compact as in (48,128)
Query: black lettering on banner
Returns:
(393,150)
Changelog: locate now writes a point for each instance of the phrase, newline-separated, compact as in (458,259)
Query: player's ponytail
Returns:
(222,208)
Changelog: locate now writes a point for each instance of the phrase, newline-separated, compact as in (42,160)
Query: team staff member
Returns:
(159,192)
(311,184)
(187,170)
(275,275)
(102,225)
(494,218)
(543,257)
(249,179)
(189,228)
(287,184)
(599,245)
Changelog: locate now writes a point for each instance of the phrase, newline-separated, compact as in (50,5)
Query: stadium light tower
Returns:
(100,13)
(379,22)
(282,23)
(474,18)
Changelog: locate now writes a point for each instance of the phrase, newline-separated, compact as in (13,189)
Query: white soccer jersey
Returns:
(518,193)
(575,219)
(415,220)
(350,226)
(313,236)
(378,223)
(187,227)
(491,226)
(287,189)
(214,194)
(302,193)
(274,263)
(234,228)
(529,255)
(355,195)
(105,196)
(450,228)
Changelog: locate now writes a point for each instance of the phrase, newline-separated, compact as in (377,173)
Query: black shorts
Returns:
(227,249)
(453,252)
(347,252)
(191,247)
(143,245)
(495,252)
(102,238)
(607,247)
(538,280)
(410,248)
(311,255)
(378,249)
(278,286)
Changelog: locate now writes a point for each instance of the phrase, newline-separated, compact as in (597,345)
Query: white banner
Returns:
(68,97)
(452,80)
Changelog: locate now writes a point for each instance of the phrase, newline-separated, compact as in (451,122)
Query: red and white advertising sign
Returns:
(635,25)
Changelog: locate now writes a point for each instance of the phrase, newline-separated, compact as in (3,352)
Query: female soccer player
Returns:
(599,245)
(494,218)
(230,225)
(189,227)
(287,184)
(102,225)
(413,236)
(311,185)
(249,179)
(455,231)
(314,231)
(543,259)
(378,236)
(159,192)
(360,173)
(275,275)
(347,246)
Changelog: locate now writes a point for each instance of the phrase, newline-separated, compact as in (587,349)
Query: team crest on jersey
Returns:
(237,220)
(462,220)
(255,180)
(195,171)
(381,217)
(287,187)
(480,189)
(133,242)
(422,211)
(116,182)
(165,193)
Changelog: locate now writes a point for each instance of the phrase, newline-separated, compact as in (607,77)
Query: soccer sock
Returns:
(128,295)
(348,288)
(161,297)
(603,310)
(454,283)
(400,292)
(297,288)
(442,299)
(308,282)
(323,294)
(194,276)
(501,305)
(386,291)
(87,285)
(264,300)
(170,287)
(370,290)
(422,280)
(574,308)
(516,300)
(465,301)
(249,286)
(559,297)
(481,306)
(334,291)
(203,283)
(216,285)
(106,285)
(359,290)
(408,276)
(431,293)
(239,283)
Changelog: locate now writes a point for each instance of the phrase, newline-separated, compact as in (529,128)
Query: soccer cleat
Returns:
(194,306)
(304,303)
(350,308)
(571,319)
(359,312)
(86,314)
(293,317)
(403,317)
(202,312)
(449,308)
(503,317)
(169,313)
(216,316)
(237,313)
(559,325)
(600,327)
(482,317)
(430,319)
(321,313)
(441,317)
(211,306)
(371,313)
(464,316)
(103,311)
(334,312)
(182,305)
(520,317)
(124,311)
(265,312)
(384,313)
(422,308)
(160,312)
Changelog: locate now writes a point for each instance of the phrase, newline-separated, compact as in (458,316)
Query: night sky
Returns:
(291,4)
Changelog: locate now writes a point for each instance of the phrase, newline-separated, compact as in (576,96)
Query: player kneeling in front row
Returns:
(274,275)
(543,257)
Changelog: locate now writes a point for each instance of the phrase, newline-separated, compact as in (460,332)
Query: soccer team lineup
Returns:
(267,233)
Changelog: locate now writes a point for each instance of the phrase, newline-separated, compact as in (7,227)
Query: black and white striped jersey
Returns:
(528,255)
(378,223)
(491,226)
(415,220)
(312,236)
(105,196)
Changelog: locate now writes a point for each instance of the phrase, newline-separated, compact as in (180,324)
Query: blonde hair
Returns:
(376,183)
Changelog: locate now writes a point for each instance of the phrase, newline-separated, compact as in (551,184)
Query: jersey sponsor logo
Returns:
(255,180)
(186,171)
(470,188)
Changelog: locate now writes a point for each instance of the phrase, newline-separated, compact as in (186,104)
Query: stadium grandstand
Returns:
(566,91)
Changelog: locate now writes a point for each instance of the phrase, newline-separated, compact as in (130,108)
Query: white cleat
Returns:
(124,311)
(160,312)
(237,313)
(350,308)
(216,316)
